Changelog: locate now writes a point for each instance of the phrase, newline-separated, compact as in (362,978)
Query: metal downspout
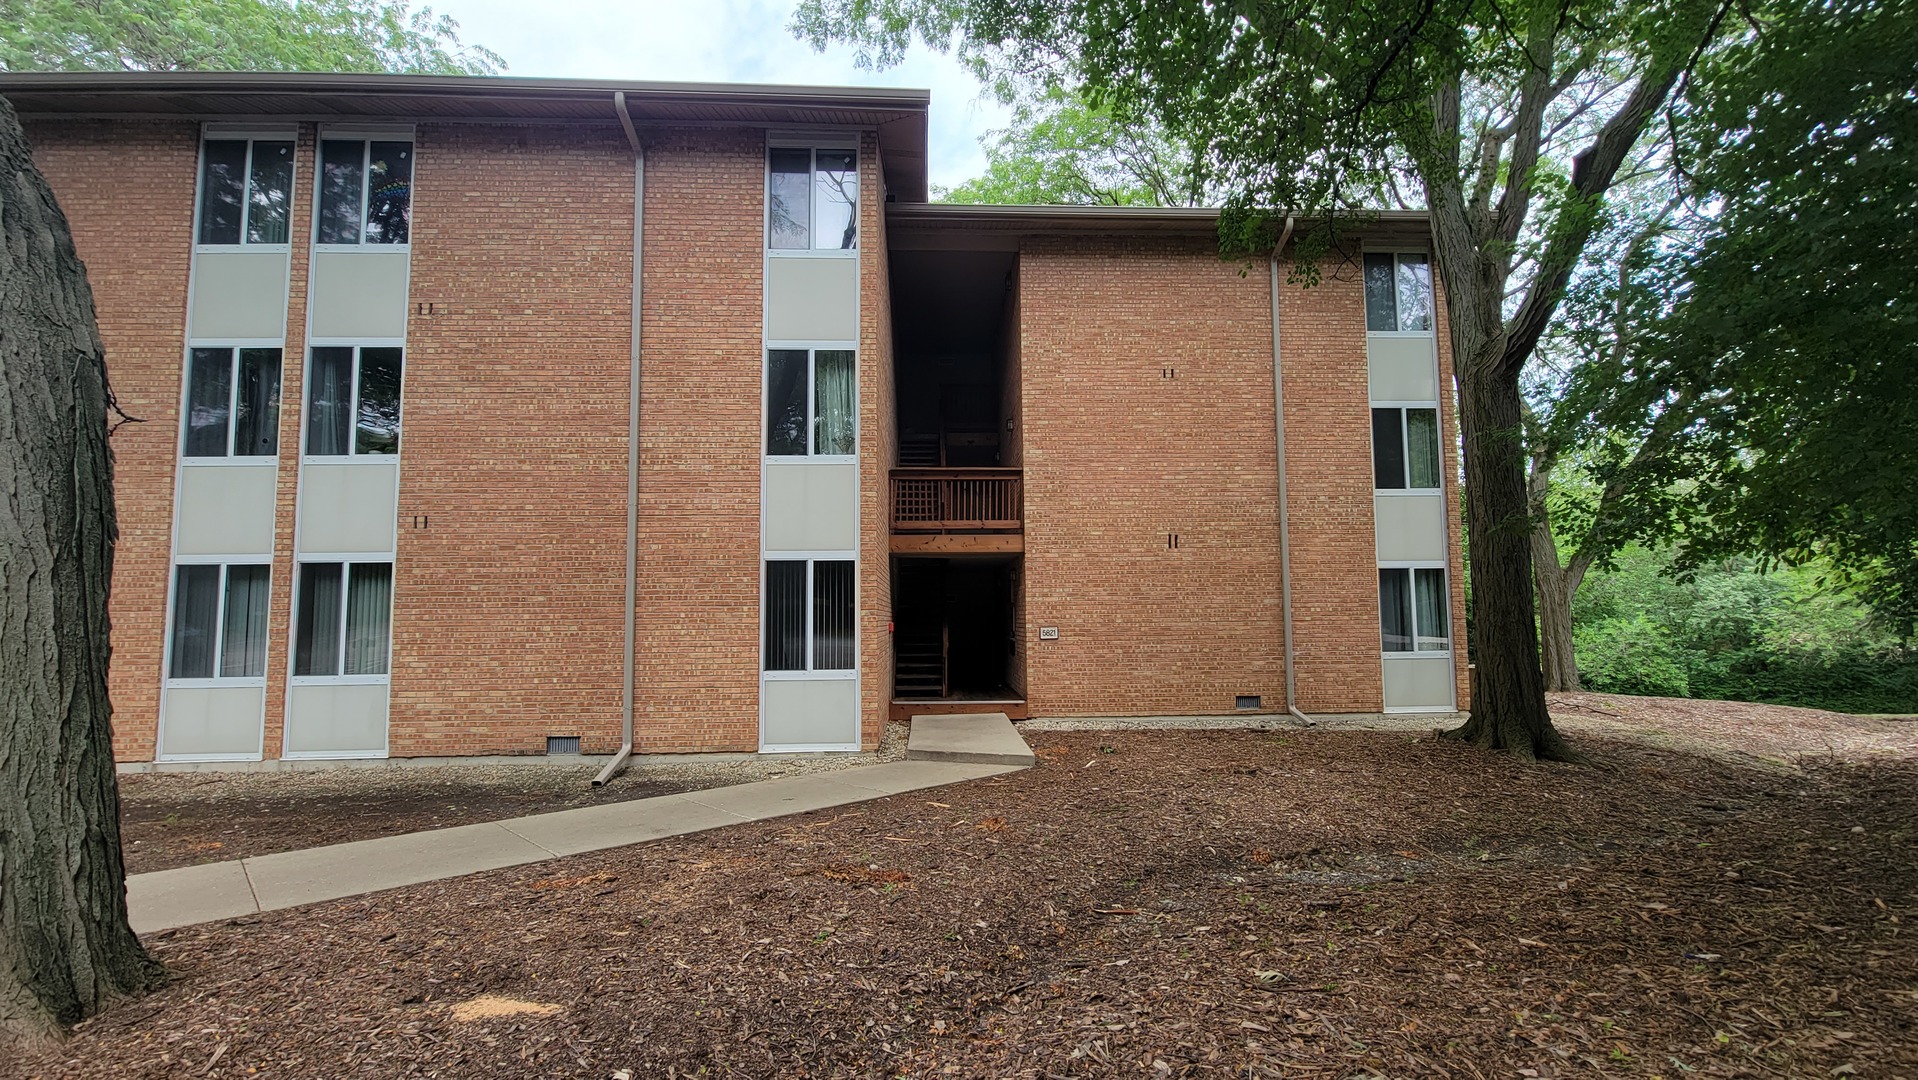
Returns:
(625,751)
(1285,533)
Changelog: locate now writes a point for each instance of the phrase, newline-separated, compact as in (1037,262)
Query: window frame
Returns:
(168,680)
(1404,408)
(233,347)
(1410,570)
(366,137)
(251,135)
(347,561)
(1431,290)
(810,558)
(832,144)
(812,350)
(353,454)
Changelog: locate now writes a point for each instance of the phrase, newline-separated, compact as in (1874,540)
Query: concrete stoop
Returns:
(976,738)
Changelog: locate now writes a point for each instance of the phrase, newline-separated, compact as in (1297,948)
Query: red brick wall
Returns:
(1328,469)
(1117,457)
(878,438)
(127,191)
(701,335)
(508,621)
(279,618)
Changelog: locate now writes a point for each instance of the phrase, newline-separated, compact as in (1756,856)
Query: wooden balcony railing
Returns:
(958,500)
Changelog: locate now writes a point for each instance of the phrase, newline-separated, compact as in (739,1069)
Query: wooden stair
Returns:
(919,663)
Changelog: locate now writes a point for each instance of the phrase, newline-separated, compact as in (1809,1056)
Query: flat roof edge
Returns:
(1067,218)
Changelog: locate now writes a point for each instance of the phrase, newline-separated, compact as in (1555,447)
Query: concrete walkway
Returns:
(937,755)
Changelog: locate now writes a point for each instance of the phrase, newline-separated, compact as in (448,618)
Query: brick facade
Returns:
(136,242)
(1140,385)
(1147,411)
(511,563)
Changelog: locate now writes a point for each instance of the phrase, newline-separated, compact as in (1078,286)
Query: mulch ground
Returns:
(1740,731)
(1190,903)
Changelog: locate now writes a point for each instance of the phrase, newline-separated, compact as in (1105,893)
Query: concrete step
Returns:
(986,738)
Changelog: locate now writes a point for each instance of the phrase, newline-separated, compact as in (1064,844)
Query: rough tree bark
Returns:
(65,946)
(1557,582)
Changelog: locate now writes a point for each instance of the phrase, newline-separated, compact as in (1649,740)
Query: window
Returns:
(343,631)
(354,401)
(219,622)
(809,615)
(810,395)
(232,403)
(366,191)
(1398,292)
(1412,605)
(1405,449)
(812,200)
(245,188)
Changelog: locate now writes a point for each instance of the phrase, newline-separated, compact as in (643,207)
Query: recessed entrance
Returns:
(954,629)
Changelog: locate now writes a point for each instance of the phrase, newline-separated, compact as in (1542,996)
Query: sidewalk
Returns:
(939,753)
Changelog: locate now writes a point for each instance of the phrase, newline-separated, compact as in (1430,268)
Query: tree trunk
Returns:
(1555,589)
(65,946)
(1508,693)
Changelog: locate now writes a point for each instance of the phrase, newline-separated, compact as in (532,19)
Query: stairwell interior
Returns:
(957,488)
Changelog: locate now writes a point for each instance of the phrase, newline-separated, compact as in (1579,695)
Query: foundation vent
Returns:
(1247,702)
(569,744)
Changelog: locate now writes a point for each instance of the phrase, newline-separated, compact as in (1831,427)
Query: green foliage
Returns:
(1730,632)
(1783,340)
(235,35)
(1062,149)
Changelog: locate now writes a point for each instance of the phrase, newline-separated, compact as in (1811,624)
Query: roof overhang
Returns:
(898,115)
(958,225)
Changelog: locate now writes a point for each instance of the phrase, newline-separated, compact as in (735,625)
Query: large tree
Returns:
(235,35)
(65,947)
(1310,107)
(1061,148)
(1792,338)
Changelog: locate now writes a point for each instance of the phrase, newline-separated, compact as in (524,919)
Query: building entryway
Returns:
(954,632)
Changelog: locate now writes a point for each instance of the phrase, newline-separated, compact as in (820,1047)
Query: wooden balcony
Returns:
(958,510)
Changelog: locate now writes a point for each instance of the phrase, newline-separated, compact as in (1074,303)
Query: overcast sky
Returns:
(717,41)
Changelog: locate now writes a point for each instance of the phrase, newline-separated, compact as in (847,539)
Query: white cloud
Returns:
(719,41)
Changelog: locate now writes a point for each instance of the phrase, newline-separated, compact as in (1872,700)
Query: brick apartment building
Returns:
(478,416)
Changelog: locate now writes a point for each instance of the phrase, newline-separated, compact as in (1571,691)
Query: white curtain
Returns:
(243,644)
(369,610)
(1434,630)
(833,401)
(330,410)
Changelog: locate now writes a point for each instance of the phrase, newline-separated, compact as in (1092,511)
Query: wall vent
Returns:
(564,744)
(1247,701)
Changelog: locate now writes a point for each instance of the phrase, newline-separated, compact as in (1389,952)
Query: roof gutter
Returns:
(1285,531)
(626,689)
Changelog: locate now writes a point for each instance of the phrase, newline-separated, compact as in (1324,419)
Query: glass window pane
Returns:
(1422,449)
(836,200)
(1435,631)
(786,615)
(369,612)
(243,641)
(329,404)
(1395,611)
(209,396)
(196,611)
(1388,450)
(389,193)
(342,167)
(1415,293)
(268,192)
(316,631)
(833,397)
(832,616)
(1380,313)
(788,207)
(256,408)
(222,190)
(786,402)
(378,429)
